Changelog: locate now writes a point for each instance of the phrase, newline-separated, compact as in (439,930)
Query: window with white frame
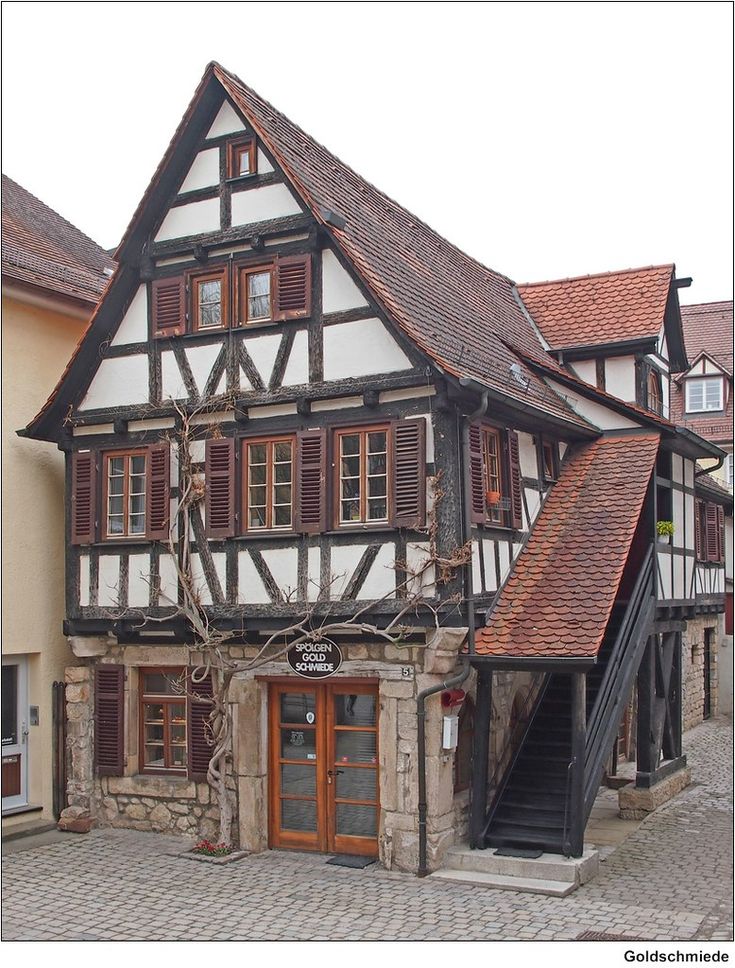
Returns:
(703,394)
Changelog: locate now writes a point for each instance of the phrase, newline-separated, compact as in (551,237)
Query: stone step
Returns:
(502,882)
(547,867)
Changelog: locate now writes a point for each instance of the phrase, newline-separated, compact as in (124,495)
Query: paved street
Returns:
(671,879)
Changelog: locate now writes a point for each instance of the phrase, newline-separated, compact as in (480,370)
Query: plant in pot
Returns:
(665,530)
(492,497)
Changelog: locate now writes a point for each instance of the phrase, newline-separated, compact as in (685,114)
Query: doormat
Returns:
(603,936)
(529,853)
(351,860)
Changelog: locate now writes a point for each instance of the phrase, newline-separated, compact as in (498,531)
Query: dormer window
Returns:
(704,394)
(655,393)
(242,159)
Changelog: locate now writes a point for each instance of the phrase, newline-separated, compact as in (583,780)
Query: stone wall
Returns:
(693,661)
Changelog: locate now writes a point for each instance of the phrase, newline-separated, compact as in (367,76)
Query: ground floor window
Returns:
(163,720)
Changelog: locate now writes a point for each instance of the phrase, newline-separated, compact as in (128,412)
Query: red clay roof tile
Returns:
(604,308)
(559,596)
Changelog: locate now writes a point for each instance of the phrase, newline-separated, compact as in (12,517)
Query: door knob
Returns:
(334,772)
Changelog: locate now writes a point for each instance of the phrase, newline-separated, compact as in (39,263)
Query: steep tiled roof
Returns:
(559,596)
(708,328)
(40,248)
(449,304)
(604,308)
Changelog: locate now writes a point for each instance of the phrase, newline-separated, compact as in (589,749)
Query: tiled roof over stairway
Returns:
(558,599)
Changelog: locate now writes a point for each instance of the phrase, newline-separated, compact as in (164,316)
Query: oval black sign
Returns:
(315,661)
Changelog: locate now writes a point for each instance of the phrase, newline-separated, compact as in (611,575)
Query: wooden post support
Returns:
(480,754)
(646,752)
(579,740)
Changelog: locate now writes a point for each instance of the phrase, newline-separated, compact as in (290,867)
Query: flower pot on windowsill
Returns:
(664,538)
(492,497)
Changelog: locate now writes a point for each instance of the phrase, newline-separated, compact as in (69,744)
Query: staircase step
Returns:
(553,867)
(533,816)
(501,882)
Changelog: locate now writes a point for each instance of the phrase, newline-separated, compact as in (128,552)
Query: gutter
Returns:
(421,716)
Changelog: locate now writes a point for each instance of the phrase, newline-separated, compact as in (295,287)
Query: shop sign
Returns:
(315,661)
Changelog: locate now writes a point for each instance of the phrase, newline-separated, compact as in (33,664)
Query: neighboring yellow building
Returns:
(52,277)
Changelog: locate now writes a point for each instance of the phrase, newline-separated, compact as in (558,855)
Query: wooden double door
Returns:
(324,767)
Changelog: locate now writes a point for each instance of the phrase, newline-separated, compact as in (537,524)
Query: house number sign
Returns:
(315,661)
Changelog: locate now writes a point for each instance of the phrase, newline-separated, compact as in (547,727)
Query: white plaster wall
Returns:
(118,382)
(689,473)
(586,370)
(677,504)
(263,351)
(339,292)
(679,585)
(677,468)
(663,346)
(527,454)
(381,579)
(342,565)
(134,325)
(417,555)
(476,572)
(264,166)
(201,360)
(84,580)
(297,368)
(283,564)
(504,557)
(664,572)
(168,582)
(139,570)
(199,581)
(172,382)
(108,593)
(195,218)
(204,171)
(596,413)
(689,577)
(313,563)
(262,204)
(620,377)
(488,554)
(533,500)
(689,520)
(250,587)
(361,348)
(226,122)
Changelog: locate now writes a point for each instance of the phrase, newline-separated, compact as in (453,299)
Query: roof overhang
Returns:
(46,298)
(626,347)
(692,445)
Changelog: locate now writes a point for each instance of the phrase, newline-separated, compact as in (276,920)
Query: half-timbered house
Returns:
(367,401)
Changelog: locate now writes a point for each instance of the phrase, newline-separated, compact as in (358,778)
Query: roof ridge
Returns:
(706,306)
(597,275)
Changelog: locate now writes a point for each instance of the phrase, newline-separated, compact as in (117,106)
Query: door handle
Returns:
(331,773)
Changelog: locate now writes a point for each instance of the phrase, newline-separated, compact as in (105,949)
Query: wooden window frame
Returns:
(550,447)
(149,698)
(235,150)
(705,378)
(270,528)
(194,280)
(126,536)
(364,522)
(654,391)
(243,271)
(498,517)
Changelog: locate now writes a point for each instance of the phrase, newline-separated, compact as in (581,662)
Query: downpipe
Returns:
(450,683)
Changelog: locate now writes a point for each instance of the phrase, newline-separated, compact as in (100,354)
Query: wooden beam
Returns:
(480,753)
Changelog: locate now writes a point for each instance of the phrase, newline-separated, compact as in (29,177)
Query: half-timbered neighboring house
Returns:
(368,401)
(52,278)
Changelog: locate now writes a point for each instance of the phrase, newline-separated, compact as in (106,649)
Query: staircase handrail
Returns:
(500,788)
(637,618)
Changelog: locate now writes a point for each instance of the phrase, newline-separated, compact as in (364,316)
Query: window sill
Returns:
(235,179)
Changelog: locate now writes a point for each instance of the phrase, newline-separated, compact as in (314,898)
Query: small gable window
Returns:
(241,158)
(549,461)
(208,300)
(125,494)
(256,288)
(495,477)
(704,394)
(655,393)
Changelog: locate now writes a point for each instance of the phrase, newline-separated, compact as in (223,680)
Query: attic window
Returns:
(704,394)
(242,159)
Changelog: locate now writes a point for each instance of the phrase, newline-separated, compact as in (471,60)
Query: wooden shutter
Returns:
(713,535)
(293,287)
(83,495)
(199,749)
(311,480)
(698,544)
(169,307)
(109,720)
(158,503)
(409,473)
(720,532)
(477,476)
(515,482)
(219,470)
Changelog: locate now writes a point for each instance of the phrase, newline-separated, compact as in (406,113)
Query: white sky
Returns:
(545,139)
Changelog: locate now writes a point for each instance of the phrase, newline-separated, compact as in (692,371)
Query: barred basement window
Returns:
(362,475)
(163,703)
(125,494)
(268,483)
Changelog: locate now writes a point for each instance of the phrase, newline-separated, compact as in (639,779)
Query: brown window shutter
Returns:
(199,709)
(409,473)
(169,307)
(219,470)
(698,545)
(311,481)
(713,536)
(158,492)
(514,480)
(293,287)
(720,532)
(83,497)
(109,720)
(477,476)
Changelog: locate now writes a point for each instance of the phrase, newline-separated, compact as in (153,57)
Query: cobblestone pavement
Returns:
(672,879)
